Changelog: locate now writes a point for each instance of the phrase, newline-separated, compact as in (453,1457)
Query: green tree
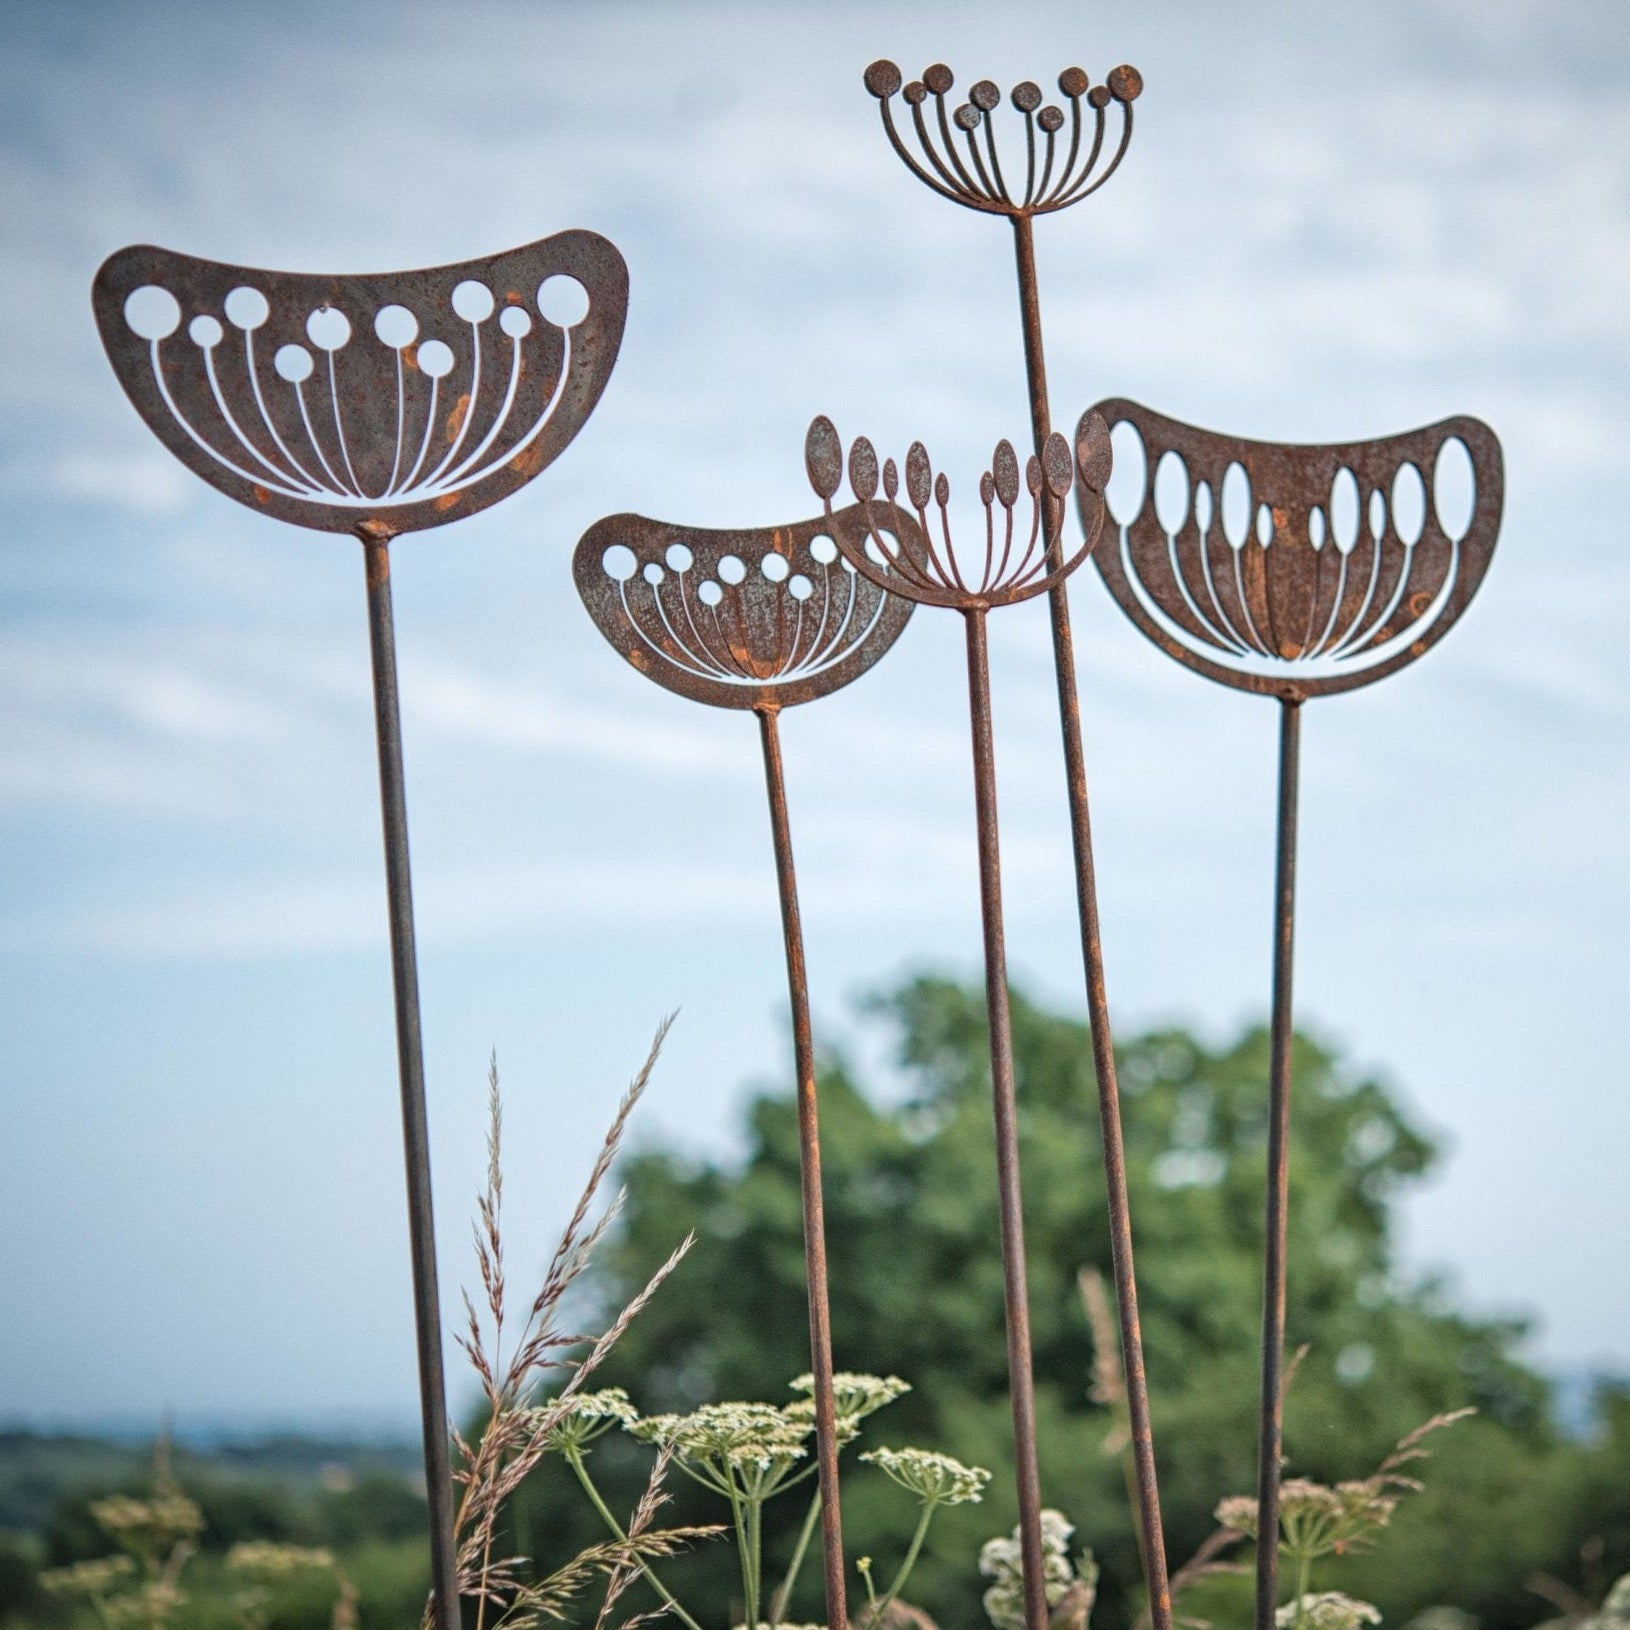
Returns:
(916,1291)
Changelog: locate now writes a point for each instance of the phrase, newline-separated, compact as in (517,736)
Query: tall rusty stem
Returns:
(809,1165)
(1270,1436)
(1151,1528)
(410,1064)
(1021,1380)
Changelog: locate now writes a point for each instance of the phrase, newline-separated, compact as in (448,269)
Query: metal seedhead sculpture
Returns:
(1018,558)
(1297,571)
(375,405)
(761,620)
(962,159)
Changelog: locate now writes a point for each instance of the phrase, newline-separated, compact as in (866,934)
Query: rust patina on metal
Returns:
(760,619)
(961,159)
(375,405)
(1297,571)
(1021,556)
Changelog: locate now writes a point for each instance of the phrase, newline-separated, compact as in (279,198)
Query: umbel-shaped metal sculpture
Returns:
(760,620)
(1068,152)
(1020,558)
(1297,571)
(375,405)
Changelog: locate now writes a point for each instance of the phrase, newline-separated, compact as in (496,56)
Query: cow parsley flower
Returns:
(1002,1559)
(1326,1610)
(934,1478)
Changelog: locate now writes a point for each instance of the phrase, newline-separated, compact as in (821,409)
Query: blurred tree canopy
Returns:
(916,1291)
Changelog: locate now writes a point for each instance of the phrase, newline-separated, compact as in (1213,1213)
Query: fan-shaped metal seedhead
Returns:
(1296,571)
(1014,564)
(969,170)
(765,618)
(396,401)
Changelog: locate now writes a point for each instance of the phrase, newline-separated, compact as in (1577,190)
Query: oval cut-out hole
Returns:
(710,594)
(653,574)
(205,331)
(1454,489)
(775,568)
(732,570)
(1315,527)
(1202,507)
(619,563)
(823,550)
(1344,509)
(293,363)
(1129,474)
(435,359)
(515,322)
(395,326)
(1409,503)
(799,586)
(563,300)
(1171,493)
(152,312)
(473,301)
(679,558)
(1236,504)
(1264,525)
(328,328)
(1378,513)
(246,307)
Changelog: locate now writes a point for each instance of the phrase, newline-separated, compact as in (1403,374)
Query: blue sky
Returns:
(1333,223)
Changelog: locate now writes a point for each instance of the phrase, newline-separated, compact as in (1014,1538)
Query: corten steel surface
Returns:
(375,405)
(1058,170)
(1296,571)
(760,619)
(1019,557)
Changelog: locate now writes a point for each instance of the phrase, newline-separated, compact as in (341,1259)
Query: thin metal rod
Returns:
(1151,1530)
(1020,1376)
(1272,1421)
(809,1165)
(410,1062)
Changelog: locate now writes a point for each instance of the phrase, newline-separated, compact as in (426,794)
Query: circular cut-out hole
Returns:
(1378,514)
(619,562)
(679,558)
(1409,504)
(1171,493)
(1202,507)
(1315,527)
(435,359)
(1264,525)
(775,568)
(1128,476)
(653,574)
(822,550)
(328,328)
(473,301)
(799,586)
(1454,489)
(515,322)
(152,312)
(1344,508)
(1236,504)
(293,363)
(246,307)
(732,570)
(396,326)
(710,594)
(205,331)
(874,554)
(563,300)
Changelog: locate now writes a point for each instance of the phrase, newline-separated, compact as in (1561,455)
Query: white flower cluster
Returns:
(1003,1561)
(935,1479)
(729,1437)
(854,1397)
(1326,1610)
(586,1415)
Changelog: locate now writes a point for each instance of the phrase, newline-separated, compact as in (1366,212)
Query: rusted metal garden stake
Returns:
(978,182)
(1297,571)
(907,562)
(375,405)
(758,620)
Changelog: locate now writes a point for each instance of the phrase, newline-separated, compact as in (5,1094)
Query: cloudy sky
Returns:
(1334,222)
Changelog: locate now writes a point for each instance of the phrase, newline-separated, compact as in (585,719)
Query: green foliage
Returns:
(916,1291)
